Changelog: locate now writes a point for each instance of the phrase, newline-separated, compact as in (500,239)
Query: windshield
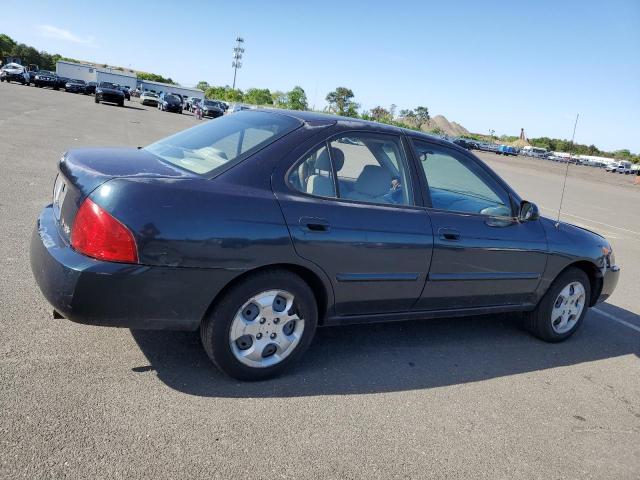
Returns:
(78,81)
(150,94)
(108,85)
(209,103)
(205,148)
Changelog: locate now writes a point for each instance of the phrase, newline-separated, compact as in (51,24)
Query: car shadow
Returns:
(130,107)
(391,357)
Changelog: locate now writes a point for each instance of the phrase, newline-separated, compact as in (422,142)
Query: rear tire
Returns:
(96,100)
(219,327)
(560,298)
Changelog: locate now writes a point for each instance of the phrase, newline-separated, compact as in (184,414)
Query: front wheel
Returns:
(562,309)
(261,325)
(97,100)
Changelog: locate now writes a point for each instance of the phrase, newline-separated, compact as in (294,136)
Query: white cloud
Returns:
(50,31)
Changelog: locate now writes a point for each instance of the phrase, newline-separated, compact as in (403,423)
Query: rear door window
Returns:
(362,167)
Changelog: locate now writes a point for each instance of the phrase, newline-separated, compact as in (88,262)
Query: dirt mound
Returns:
(439,124)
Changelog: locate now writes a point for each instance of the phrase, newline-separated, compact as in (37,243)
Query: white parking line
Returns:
(592,221)
(616,319)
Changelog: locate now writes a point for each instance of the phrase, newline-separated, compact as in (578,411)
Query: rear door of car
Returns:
(376,250)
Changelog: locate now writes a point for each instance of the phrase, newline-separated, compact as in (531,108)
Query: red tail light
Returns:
(97,234)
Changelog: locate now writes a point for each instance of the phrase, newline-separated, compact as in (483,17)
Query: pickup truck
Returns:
(620,167)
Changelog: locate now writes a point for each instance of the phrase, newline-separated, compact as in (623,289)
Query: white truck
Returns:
(621,167)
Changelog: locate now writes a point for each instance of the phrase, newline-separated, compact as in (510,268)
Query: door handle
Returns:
(314,224)
(449,234)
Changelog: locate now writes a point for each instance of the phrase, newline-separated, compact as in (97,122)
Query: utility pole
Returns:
(237,56)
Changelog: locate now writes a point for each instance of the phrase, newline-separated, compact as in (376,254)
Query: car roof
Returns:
(317,117)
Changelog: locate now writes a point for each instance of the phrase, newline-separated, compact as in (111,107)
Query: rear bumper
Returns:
(93,292)
(609,282)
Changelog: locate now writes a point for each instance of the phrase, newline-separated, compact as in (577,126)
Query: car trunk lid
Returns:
(83,170)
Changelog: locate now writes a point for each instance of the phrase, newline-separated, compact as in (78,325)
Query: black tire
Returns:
(214,330)
(96,100)
(539,321)
(121,104)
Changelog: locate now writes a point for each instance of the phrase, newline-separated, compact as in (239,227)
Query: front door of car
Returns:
(349,204)
(483,256)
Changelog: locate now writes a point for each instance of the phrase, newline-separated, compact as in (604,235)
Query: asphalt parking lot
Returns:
(463,398)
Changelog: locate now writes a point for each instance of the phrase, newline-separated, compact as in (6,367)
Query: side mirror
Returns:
(528,211)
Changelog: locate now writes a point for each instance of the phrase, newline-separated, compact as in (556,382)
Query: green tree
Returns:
(279,99)
(422,115)
(202,85)
(6,45)
(153,77)
(258,96)
(216,93)
(297,99)
(232,95)
(341,102)
(379,114)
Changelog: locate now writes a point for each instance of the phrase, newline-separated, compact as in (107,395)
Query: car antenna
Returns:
(566,172)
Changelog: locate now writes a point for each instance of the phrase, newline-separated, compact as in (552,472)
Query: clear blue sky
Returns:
(487,65)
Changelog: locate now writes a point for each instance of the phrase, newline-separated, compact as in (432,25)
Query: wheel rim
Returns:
(568,307)
(266,330)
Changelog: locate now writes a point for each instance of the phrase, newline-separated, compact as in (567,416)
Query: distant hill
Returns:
(441,125)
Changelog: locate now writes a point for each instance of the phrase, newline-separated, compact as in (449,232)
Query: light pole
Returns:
(237,56)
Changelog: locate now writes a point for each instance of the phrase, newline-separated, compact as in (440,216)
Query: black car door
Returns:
(350,207)
(483,256)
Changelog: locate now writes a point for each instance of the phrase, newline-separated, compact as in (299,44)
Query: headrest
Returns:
(373,180)
(323,163)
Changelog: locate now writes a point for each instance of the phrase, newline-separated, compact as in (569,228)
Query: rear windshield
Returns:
(205,148)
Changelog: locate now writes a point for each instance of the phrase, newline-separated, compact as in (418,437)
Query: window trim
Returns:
(509,193)
(408,155)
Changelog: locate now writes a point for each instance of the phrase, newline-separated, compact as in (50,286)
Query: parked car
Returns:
(61,82)
(75,86)
(109,92)
(45,78)
(90,88)
(14,72)
(149,98)
(262,225)
(464,143)
(170,103)
(238,107)
(211,108)
(125,91)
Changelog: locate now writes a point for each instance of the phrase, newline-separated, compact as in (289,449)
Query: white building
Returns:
(158,87)
(94,73)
